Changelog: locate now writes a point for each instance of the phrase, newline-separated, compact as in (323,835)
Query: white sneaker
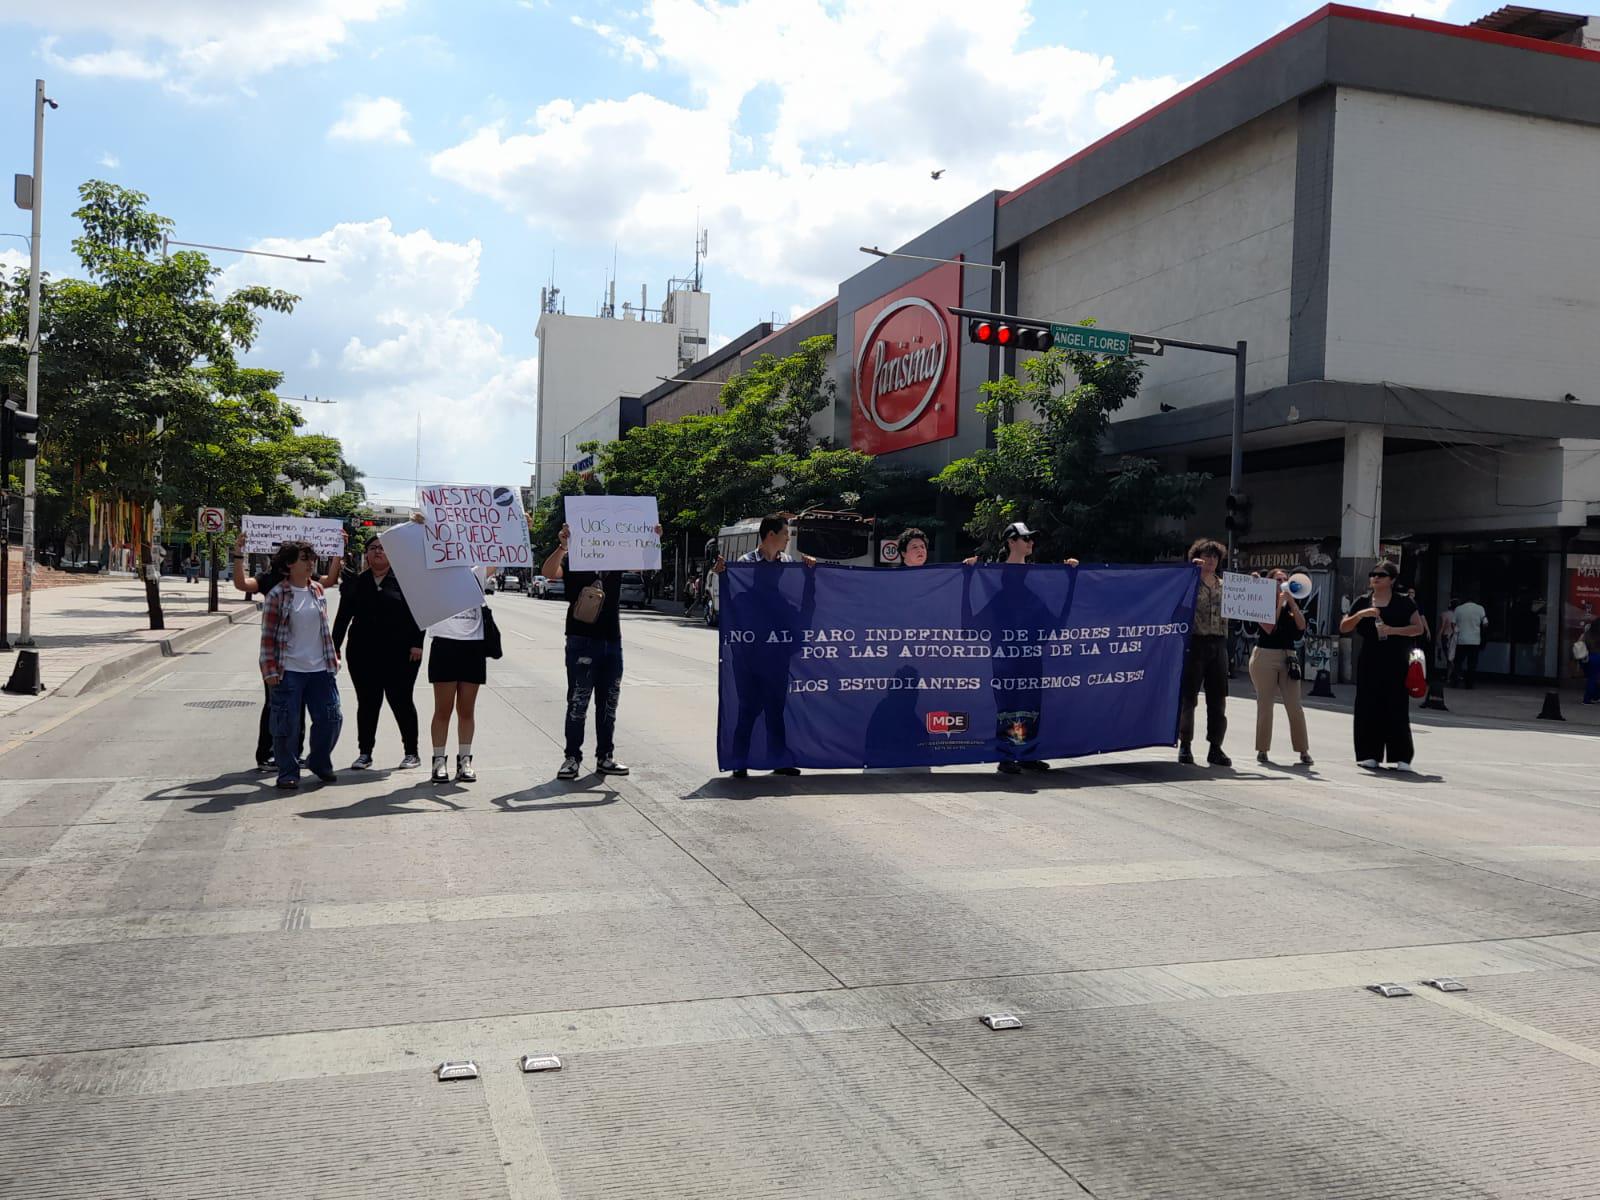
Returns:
(1370,764)
(441,768)
(569,769)
(464,771)
(1405,766)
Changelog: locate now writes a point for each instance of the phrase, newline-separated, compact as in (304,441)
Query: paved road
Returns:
(209,989)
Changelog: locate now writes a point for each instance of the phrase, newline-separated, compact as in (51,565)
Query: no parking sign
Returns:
(212,520)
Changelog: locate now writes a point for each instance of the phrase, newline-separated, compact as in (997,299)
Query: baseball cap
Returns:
(1017,529)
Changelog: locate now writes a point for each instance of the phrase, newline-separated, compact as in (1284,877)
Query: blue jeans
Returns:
(318,692)
(1591,677)
(594,668)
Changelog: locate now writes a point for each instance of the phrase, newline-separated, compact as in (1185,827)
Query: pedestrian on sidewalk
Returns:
(1591,664)
(1447,639)
(260,586)
(385,655)
(191,569)
(1471,622)
(1206,665)
(593,659)
(299,663)
(1386,620)
(1274,670)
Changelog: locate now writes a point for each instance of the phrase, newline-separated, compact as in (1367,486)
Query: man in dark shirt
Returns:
(594,662)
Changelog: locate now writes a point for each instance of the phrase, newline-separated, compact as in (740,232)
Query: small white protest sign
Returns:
(474,526)
(613,533)
(430,595)
(263,535)
(1246,598)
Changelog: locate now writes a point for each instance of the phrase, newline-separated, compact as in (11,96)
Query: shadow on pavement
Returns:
(394,803)
(224,793)
(557,795)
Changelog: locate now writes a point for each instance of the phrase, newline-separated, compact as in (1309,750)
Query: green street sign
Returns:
(1092,339)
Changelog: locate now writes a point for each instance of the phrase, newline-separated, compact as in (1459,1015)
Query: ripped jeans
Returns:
(594,668)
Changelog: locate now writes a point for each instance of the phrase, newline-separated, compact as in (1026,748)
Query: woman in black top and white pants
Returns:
(1385,621)
(385,655)
(1269,672)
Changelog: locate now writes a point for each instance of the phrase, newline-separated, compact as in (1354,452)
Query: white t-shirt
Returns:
(464,626)
(1470,620)
(304,649)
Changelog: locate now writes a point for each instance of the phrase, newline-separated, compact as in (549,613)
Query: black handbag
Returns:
(492,645)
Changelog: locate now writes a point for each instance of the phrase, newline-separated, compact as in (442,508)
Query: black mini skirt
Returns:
(452,661)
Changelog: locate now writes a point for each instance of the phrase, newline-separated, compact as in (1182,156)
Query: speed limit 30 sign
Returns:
(212,520)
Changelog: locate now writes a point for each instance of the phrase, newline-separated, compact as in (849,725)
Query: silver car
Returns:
(632,593)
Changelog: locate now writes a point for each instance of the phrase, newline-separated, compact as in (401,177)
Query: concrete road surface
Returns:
(212,989)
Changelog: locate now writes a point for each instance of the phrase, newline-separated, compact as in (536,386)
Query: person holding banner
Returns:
(1206,666)
(1271,674)
(385,655)
(1386,620)
(262,585)
(299,662)
(913,547)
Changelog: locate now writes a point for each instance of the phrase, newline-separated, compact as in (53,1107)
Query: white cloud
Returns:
(193,45)
(857,105)
(372,119)
(383,329)
(12,260)
(109,160)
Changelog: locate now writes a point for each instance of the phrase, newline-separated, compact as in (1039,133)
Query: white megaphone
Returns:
(1300,586)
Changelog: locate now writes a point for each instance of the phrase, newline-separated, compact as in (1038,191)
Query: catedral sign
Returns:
(906,383)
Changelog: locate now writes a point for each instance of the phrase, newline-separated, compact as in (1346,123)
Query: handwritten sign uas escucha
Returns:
(474,526)
(613,533)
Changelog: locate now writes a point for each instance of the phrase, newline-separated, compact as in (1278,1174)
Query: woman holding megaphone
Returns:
(1386,621)
(1274,670)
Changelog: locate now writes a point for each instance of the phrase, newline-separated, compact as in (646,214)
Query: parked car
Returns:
(555,589)
(489,585)
(511,583)
(536,588)
(632,590)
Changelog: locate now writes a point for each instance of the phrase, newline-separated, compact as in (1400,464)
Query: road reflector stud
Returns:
(540,1062)
(1389,990)
(1445,984)
(464,1069)
(1001,1020)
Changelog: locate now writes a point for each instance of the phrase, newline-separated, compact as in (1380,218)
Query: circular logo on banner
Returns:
(901,363)
(504,497)
(212,520)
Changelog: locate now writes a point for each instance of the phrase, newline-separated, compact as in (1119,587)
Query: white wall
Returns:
(1465,249)
(1200,250)
(585,363)
(602,428)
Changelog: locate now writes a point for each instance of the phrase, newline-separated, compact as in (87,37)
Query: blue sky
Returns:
(438,155)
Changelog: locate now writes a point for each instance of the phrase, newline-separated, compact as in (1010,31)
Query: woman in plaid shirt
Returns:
(299,662)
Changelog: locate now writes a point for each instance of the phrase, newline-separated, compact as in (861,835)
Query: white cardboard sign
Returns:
(474,526)
(613,533)
(263,535)
(1246,598)
(431,595)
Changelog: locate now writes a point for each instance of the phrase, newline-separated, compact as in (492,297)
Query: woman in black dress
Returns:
(1385,621)
(385,655)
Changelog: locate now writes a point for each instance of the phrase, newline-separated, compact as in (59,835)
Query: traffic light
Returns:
(1008,336)
(1238,518)
(18,434)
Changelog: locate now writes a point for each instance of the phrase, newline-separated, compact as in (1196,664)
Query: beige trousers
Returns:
(1270,674)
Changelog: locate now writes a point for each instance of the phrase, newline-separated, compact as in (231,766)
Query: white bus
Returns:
(845,538)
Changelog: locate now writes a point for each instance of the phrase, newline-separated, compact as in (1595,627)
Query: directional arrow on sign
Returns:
(1140,343)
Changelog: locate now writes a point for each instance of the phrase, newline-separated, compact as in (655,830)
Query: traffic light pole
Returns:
(30,466)
(1154,346)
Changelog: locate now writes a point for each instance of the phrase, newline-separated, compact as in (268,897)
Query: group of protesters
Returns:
(301,650)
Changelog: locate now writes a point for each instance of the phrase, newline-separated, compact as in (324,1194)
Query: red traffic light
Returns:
(980,331)
(1004,335)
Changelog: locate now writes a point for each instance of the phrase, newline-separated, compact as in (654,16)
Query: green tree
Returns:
(755,456)
(1052,473)
(140,386)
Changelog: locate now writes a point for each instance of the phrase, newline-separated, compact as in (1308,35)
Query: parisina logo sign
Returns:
(906,381)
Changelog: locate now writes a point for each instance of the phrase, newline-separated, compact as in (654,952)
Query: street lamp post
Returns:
(30,466)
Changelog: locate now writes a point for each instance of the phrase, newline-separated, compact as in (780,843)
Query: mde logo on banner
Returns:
(906,384)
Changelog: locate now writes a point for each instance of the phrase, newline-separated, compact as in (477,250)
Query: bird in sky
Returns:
(938,173)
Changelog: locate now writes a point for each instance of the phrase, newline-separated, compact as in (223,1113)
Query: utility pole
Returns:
(30,466)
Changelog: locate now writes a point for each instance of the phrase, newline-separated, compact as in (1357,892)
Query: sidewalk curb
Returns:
(94,675)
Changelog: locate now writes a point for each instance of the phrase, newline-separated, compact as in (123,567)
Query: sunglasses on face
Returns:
(1020,537)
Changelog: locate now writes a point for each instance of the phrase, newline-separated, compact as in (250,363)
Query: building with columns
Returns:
(1399,218)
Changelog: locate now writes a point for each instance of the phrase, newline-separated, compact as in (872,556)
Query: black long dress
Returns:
(1383,707)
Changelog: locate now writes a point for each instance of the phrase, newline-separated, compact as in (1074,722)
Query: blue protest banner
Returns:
(860,667)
